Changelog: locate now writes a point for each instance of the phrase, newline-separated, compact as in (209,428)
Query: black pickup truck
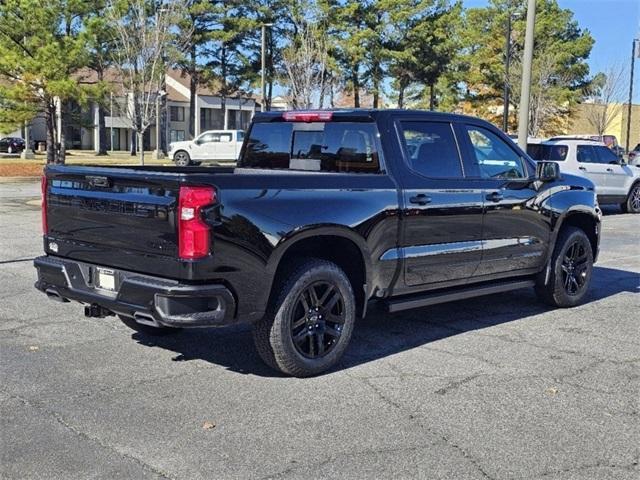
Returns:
(325,211)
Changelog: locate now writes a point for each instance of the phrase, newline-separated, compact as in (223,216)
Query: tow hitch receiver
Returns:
(96,311)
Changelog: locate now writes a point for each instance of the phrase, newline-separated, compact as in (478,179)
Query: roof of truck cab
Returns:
(369,113)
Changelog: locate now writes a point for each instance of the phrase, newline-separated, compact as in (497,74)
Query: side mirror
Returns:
(547,171)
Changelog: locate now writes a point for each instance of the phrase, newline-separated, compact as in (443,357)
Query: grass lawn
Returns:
(13,166)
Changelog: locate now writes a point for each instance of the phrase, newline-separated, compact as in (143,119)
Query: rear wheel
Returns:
(182,159)
(147,329)
(571,268)
(309,324)
(632,204)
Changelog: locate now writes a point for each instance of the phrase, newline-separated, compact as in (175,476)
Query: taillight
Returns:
(193,233)
(43,188)
(307,116)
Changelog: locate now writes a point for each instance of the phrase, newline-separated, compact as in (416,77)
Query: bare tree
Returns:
(143,36)
(605,95)
(305,61)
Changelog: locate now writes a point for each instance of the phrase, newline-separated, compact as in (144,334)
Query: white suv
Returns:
(210,145)
(615,181)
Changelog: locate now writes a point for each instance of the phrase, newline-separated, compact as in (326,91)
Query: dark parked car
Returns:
(11,145)
(325,211)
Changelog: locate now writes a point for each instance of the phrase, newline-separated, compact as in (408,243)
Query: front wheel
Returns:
(310,320)
(182,159)
(632,204)
(571,268)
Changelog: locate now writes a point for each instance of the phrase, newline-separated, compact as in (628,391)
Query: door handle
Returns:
(583,168)
(495,196)
(420,199)
(609,169)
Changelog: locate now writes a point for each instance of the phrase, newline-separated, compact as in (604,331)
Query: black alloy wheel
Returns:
(317,320)
(575,267)
(565,282)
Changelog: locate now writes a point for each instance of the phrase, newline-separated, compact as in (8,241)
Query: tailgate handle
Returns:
(96,181)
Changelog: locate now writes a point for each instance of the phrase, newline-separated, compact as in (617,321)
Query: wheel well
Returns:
(179,151)
(339,250)
(588,225)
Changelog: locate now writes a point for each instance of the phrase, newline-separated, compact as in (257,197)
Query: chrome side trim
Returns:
(417,251)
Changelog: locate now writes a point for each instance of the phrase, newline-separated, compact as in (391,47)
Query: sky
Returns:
(612,23)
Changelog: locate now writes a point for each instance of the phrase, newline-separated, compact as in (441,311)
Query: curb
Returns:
(20,179)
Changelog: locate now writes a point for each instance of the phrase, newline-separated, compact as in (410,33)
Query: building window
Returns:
(177,114)
(211,119)
(176,136)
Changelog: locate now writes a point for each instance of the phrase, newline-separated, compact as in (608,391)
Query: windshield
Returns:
(555,153)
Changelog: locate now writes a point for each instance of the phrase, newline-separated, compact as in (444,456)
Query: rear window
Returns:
(320,147)
(555,153)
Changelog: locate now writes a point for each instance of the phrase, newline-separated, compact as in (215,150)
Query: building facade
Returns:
(213,112)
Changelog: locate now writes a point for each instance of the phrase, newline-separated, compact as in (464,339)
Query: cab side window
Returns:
(209,137)
(431,149)
(494,157)
(586,154)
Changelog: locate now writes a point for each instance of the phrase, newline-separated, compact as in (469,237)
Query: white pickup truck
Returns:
(209,145)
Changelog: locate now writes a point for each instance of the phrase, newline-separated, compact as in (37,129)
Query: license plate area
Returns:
(105,279)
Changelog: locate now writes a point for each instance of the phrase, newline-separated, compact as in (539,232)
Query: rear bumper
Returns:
(150,300)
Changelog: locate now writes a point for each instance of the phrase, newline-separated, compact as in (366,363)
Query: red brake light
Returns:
(307,116)
(193,233)
(43,188)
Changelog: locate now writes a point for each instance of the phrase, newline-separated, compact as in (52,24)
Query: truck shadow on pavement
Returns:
(382,334)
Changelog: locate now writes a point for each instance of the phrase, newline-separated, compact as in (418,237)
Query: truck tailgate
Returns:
(134,214)
(120,217)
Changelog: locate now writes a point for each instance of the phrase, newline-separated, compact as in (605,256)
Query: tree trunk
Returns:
(134,151)
(432,97)
(62,153)
(141,147)
(356,87)
(50,118)
(193,88)
(102,127)
(376,84)
(401,88)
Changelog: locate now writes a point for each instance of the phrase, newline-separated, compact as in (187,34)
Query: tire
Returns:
(571,269)
(309,320)
(147,329)
(632,205)
(182,158)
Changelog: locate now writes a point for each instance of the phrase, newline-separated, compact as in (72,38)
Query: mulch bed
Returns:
(20,170)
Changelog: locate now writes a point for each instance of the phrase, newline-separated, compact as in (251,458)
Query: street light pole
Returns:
(507,63)
(525,89)
(635,51)
(263,64)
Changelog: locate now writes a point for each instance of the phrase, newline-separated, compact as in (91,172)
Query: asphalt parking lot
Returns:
(491,388)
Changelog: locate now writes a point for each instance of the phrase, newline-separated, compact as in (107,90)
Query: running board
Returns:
(449,296)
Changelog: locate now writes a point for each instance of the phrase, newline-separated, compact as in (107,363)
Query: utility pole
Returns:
(507,63)
(525,89)
(635,52)
(263,62)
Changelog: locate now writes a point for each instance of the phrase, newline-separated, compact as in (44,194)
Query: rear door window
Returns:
(321,147)
(586,154)
(554,153)
(431,149)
